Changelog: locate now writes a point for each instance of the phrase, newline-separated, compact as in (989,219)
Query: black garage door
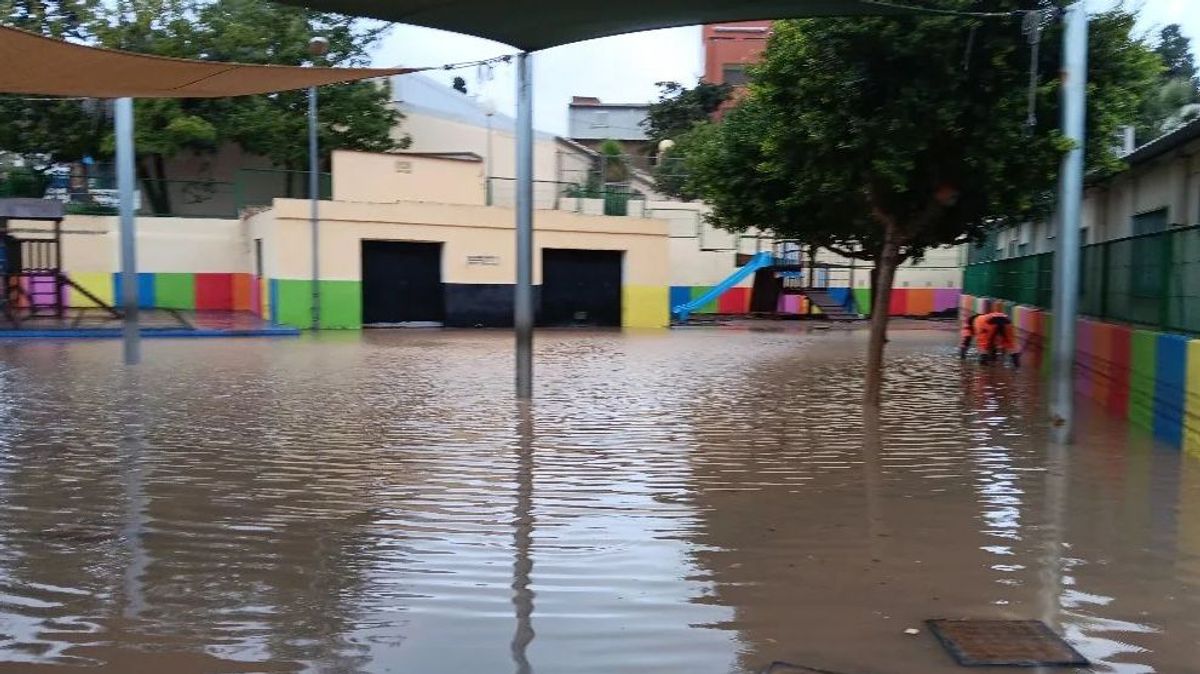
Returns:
(581,287)
(402,282)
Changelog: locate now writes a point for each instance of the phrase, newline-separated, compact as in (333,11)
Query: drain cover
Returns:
(1012,643)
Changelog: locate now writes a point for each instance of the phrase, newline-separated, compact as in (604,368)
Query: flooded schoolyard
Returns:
(701,500)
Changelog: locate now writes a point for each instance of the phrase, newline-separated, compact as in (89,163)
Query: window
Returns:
(258,258)
(734,74)
(1150,222)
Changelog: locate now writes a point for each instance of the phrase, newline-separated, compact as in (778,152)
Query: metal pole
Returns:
(314,215)
(1065,303)
(523,300)
(487,167)
(123,111)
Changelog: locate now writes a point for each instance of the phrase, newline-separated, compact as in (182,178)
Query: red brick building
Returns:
(730,47)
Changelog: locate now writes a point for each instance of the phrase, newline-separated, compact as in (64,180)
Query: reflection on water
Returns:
(700,501)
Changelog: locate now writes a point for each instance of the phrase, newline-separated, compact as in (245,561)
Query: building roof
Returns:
(1164,143)
(538,24)
(601,104)
(420,94)
(39,65)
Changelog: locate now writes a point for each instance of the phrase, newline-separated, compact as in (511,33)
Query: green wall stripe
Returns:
(341,304)
(175,291)
(1142,378)
(862,298)
(711,307)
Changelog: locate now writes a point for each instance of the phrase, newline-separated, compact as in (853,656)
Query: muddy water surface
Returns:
(700,501)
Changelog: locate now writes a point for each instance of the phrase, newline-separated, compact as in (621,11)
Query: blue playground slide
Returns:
(760,260)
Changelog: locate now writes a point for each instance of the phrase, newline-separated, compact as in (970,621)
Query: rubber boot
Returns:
(962,353)
(1015,358)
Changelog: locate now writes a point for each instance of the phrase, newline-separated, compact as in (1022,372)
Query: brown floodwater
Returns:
(699,501)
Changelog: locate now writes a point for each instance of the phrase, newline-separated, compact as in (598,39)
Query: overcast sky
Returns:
(623,69)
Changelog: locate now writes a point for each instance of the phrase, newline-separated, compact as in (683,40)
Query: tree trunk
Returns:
(885,274)
(155,190)
(874,284)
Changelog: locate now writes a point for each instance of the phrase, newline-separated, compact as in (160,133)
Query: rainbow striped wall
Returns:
(1148,377)
(904,302)
(191,291)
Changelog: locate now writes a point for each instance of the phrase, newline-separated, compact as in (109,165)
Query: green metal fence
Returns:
(1150,279)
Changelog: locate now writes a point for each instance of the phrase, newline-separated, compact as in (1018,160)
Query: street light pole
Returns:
(317,47)
(123,113)
(523,301)
(1065,300)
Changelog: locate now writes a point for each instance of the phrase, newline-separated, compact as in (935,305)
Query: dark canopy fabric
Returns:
(33,64)
(538,24)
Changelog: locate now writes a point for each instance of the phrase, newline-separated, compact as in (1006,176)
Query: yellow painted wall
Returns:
(391,177)
(1191,406)
(179,245)
(645,306)
(466,231)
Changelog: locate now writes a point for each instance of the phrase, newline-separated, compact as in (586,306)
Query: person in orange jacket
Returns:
(994,336)
(967,333)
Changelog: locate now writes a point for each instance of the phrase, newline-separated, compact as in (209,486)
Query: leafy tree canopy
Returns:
(1175,49)
(677,111)
(882,137)
(353,116)
(1171,103)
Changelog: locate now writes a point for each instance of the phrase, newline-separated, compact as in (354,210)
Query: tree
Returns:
(676,112)
(356,115)
(883,137)
(614,165)
(1175,49)
(53,129)
(1166,108)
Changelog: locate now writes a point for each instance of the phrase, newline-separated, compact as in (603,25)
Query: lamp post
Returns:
(489,110)
(317,48)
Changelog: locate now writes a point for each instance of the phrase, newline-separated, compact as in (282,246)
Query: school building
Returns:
(1136,351)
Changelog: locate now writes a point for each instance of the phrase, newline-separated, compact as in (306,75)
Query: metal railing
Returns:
(1149,279)
(614,199)
(93,191)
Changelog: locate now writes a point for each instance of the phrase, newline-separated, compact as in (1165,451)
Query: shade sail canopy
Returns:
(37,65)
(538,24)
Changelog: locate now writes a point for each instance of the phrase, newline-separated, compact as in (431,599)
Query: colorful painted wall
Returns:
(167,290)
(905,301)
(478,266)
(1150,378)
(186,263)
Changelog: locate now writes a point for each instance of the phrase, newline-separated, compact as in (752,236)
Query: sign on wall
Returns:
(483,260)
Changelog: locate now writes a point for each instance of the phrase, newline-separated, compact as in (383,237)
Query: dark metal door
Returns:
(402,282)
(581,287)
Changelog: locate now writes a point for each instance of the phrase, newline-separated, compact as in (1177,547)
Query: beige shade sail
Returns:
(38,65)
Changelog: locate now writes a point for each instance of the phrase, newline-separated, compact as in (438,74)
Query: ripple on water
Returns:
(699,500)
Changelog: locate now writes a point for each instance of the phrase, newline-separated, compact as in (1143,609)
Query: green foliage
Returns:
(1175,49)
(614,166)
(352,116)
(909,128)
(1163,109)
(679,108)
(61,129)
(673,116)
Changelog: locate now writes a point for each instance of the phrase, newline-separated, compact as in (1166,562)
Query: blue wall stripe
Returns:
(680,295)
(1170,376)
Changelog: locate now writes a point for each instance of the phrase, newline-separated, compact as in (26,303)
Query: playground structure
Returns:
(779,274)
(33,282)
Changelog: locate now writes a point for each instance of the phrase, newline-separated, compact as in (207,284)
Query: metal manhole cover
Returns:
(1012,643)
